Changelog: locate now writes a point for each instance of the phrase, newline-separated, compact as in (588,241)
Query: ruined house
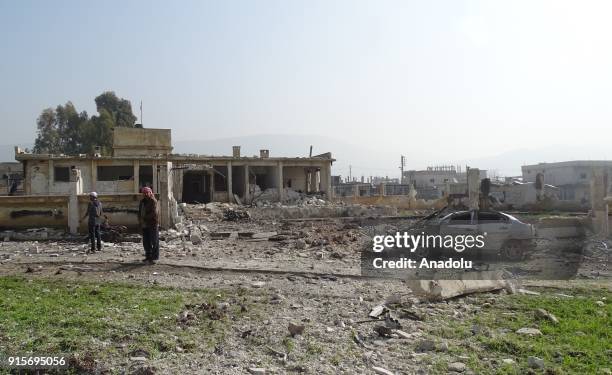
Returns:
(11,178)
(143,157)
(573,178)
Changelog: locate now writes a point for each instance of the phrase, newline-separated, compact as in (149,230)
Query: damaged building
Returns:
(573,178)
(143,157)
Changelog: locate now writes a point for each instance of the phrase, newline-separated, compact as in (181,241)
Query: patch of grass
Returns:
(289,344)
(103,319)
(580,343)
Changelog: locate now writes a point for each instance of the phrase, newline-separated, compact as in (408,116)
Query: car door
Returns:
(461,223)
(495,227)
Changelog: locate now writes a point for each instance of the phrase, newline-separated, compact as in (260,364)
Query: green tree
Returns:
(70,125)
(47,140)
(65,130)
(120,109)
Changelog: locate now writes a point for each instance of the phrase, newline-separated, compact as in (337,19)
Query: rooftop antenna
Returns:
(141,122)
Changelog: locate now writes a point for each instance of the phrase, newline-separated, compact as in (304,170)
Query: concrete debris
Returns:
(456,367)
(508,361)
(437,290)
(381,371)
(529,331)
(600,303)
(295,329)
(535,362)
(377,311)
(195,239)
(426,346)
(528,292)
(256,370)
(402,334)
(543,314)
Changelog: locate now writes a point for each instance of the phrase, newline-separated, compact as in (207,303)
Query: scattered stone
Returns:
(381,371)
(443,347)
(425,346)
(195,239)
(263,235)
(295,329)
(377,311)
(300,244)
(383,331)
(508,361)
(258,284)
(256,370)
(535,362)
(528,292)
(138,359)
(529,331)
(543,314)
(456,367)
(403,334)
(600,303)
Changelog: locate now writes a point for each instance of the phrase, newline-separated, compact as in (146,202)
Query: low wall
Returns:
(121,209)
(29,211)
(20,212)
(398,201)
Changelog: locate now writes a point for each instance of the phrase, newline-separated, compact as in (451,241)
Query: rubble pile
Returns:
(269,198)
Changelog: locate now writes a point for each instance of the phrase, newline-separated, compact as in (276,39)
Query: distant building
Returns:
(437,176)
(571,177)
(11,178)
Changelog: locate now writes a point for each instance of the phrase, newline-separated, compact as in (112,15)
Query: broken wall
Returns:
(295,178)
(18,212)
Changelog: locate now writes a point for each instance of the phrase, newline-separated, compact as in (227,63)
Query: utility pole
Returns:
(402,165)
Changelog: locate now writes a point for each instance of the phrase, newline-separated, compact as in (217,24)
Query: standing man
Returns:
(148,215)
(94,211)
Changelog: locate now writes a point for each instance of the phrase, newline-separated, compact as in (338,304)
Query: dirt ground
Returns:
(307,273)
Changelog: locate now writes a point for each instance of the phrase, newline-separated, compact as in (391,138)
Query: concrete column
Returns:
(94,174)
(381,189)
(211,185)
(51,178)
(247,192)
(279,174)
(325,180)
(473,182)
(230,194)
(155,178)
(136,176)
(599,191)
(312,174)
(164,195)
(76,188)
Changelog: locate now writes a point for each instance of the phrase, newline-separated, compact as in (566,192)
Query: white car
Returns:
(503,233)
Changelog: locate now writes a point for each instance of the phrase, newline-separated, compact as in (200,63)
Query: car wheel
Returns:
(514,251)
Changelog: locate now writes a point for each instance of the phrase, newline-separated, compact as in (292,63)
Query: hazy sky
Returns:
(420,78)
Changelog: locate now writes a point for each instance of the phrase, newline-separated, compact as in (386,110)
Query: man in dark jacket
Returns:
(148,215)
(94,211)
